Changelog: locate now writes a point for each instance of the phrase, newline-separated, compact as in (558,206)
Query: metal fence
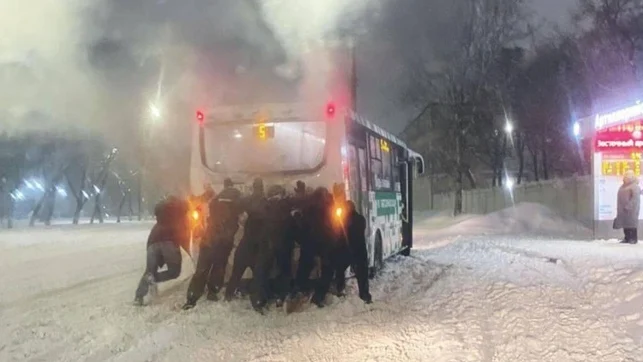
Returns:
(570,198)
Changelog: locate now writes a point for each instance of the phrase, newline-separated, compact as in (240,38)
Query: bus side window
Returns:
(380,162)
(396,171)
(386,170)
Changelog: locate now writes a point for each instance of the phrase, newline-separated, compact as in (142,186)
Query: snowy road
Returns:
(65,295)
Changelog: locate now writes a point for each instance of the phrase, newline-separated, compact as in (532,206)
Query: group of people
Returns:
(275,223)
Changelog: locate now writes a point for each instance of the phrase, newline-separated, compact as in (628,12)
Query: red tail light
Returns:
(330,110)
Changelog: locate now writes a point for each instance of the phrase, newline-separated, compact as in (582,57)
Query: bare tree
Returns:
(100,180)
(470,91)
(53,156)
(13,166)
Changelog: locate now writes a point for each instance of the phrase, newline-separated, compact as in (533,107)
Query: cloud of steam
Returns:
(298,22)
(98,64)
(42,71)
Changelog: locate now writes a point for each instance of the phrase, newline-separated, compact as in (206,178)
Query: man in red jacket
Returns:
(169,234)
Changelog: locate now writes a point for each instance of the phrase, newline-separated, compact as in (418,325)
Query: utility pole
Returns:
(354,74)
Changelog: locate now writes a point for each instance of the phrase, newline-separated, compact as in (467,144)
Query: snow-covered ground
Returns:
(475,289)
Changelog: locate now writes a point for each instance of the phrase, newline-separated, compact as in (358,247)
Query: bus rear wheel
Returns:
(378,262)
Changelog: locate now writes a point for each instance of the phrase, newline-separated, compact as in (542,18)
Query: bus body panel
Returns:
(385,218)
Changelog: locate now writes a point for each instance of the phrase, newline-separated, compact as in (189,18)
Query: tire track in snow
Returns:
(96,313)
(62,290)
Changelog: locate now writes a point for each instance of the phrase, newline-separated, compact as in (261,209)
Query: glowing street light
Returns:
(509,127)
(576,129)
(155,111)
(509,183)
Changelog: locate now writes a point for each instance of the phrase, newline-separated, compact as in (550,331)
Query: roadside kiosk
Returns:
(617,146)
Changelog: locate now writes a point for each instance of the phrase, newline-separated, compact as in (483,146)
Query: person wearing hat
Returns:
(223,223)
(164,243)
(628,204)
(252,247)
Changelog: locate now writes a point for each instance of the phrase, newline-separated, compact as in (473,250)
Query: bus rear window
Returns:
(264,148)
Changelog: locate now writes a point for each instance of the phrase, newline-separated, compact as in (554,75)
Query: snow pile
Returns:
(523,218)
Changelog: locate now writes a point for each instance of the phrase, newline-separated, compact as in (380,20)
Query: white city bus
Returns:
(284,143)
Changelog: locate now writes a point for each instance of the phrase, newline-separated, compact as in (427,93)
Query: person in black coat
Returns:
(349,248)
(223,223)
(168,235)
(253,250)
(316,239)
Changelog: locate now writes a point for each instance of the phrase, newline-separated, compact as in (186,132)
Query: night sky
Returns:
(378,97)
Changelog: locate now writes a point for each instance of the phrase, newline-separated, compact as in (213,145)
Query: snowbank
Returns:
(523,218)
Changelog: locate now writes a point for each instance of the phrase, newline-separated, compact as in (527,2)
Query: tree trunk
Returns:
(80,203)
(98,211)
(520,150)
(45,196)
(457,209)
(10,208)
(472,180)
(36,211)
(121,204)
(534,162)
(131,209)
(545,166)
(51,205)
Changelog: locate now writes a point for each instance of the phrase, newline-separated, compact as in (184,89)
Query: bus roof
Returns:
(389,136)
(376,129)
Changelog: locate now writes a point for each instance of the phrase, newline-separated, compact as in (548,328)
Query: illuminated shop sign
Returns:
(618,164)
(606,145)
(622,115)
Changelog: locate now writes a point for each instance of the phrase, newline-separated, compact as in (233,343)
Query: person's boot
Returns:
(189,304)
(212,296)
(279,303)
(318,300)
(153,287)
(138,301)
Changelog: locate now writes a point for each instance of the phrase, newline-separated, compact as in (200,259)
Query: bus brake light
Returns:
(330,110)
(200,117)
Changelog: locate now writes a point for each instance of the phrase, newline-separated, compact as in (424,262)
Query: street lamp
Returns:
(509,183)
(155,111)
(576,129)
(509,127)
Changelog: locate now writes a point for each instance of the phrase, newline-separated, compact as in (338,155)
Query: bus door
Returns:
(358,177)
(354,176)
(406,178)
(361,153)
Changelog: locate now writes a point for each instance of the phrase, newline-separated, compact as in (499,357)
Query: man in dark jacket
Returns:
(355,238)
(348,249)
(281,234)
(316,237)
(253,248)
(223,223)
(164,244)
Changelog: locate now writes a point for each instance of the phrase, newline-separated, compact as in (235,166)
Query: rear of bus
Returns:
(281,143)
